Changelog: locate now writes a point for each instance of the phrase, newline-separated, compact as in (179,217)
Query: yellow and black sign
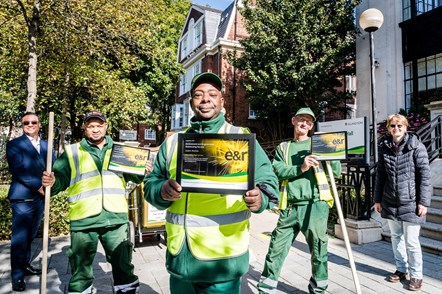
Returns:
(329,146)
(216,163)
(128,159)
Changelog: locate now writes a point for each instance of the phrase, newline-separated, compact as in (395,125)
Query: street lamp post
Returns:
(370,21)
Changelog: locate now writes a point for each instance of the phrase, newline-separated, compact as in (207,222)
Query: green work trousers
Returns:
(118,250)
(178,286)
(311,220)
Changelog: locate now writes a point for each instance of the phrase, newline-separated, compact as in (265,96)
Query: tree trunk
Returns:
(32,69)
(63,114)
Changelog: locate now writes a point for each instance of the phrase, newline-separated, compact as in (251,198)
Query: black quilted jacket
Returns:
(403,179)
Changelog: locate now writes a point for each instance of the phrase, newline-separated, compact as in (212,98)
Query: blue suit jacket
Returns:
(26,166)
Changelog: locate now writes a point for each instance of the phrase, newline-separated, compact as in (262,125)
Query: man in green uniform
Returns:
(97,208)
(305,211)
(207,234)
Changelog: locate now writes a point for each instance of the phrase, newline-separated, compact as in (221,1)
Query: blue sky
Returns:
(218,4)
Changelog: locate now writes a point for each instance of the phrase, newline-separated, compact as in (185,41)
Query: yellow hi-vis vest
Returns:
(89,191)
(216,226)
(283,194)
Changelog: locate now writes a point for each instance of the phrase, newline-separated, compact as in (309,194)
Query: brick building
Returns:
(208,36)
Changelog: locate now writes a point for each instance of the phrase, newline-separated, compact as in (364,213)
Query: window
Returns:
(412,8)
(150,134)
(196,69)
(428,81)
(406,5)
(187,77)
(350,83)
(408,74)
(188,113)
(177,116)
(198,34)
(252,113)
(184,47)
(183,88)
(191,34)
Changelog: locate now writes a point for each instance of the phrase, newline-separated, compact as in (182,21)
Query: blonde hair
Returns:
(399,117)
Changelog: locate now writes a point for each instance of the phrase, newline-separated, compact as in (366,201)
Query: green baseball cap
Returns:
(206,77)
(306,110)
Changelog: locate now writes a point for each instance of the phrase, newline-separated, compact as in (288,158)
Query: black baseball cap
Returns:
(94,114)
(206,77)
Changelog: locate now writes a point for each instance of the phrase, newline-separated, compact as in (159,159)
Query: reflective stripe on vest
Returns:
(89,191)
(283,194)
(221,232)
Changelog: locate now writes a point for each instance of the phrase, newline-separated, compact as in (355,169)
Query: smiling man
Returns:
(26,157)
(208,234)
(306,211)
(97,207)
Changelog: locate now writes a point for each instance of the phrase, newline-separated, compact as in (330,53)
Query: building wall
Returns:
(389,75)
(215,60)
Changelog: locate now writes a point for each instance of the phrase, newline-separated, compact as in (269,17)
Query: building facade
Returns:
(208,37)
(408,57)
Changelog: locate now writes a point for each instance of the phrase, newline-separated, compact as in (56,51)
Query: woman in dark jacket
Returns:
(402,196)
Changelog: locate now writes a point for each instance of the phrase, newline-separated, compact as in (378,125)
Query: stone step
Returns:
(434,215)
(432,231)
(437,190)
(427,244)
(436,202)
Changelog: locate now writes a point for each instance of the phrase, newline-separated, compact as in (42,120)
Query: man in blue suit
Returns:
(26,157)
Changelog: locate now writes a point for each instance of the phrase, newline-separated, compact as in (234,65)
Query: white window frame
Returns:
(252,113)
(183,84)
(184,46)
(350,83)
(177,121)
(188,112)
(150,134)
(198,33)
(190,35)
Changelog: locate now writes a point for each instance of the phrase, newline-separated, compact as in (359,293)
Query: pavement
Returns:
(373,262)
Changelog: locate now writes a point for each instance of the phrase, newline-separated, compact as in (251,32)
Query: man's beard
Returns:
(96,141)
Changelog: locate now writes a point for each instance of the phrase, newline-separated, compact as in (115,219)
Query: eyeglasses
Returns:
(304,120)
(34,122)
(393,126)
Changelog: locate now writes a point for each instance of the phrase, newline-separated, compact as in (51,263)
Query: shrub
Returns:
(415,122)
(58,215)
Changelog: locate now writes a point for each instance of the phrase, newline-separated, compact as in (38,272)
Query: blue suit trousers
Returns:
(26,219)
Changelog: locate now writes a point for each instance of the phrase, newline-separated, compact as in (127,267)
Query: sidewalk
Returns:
(373,262)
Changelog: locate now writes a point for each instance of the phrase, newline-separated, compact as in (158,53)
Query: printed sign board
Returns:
(128,159)
(329,146)
(216,163)
(357,134)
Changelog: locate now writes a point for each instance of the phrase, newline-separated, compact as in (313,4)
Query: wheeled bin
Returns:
(144,219)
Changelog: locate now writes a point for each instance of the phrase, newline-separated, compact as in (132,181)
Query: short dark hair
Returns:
(29,113)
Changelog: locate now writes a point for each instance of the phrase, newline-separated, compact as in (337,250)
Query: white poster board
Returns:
(155,215)
(357,134)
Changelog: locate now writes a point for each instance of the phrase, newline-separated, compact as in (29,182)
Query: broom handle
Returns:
(46,213)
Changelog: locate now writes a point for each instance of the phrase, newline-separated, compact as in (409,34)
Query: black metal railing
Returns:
(356,186)
(358,180)
(431,136)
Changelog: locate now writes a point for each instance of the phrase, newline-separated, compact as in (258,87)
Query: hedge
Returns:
(58,215)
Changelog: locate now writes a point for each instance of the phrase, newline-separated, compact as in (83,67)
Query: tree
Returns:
(116,56)
(295,56)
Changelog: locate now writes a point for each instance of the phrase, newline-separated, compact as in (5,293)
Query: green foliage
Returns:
(115,56)
(58,215)
(5,214)
(296,55)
